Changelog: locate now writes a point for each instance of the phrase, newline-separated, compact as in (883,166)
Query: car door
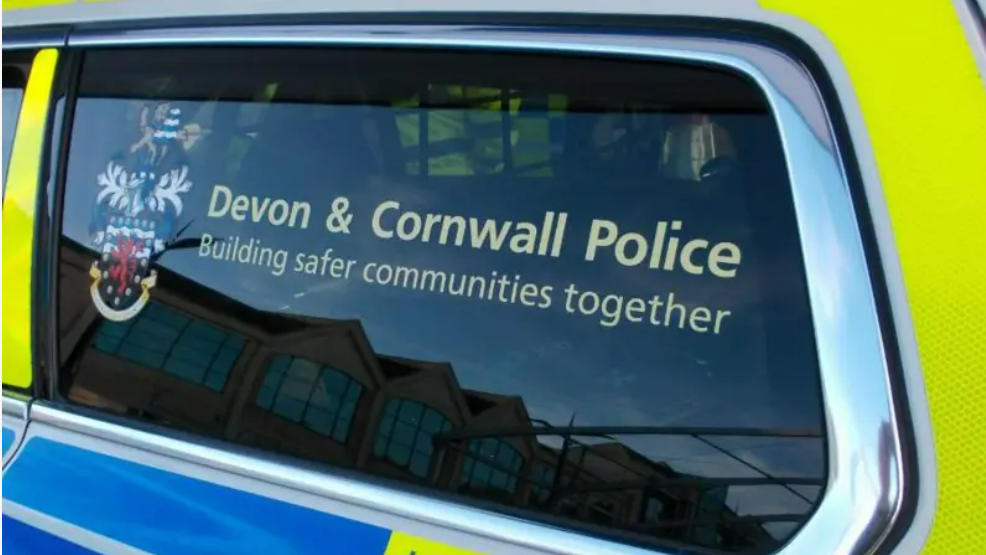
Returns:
(441,289)
(246,244)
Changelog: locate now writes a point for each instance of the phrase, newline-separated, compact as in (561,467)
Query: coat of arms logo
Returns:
(137,207)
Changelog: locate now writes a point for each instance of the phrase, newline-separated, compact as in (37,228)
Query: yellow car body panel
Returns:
(20,204)
(924,105)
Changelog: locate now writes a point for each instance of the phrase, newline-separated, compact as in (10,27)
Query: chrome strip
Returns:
(972,14)
(865,468)
(79,12)
(79,536)
(347,490)
(15,407)
(32,42)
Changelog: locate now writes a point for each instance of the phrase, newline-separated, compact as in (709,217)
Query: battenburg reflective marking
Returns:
(162,512)
(23,177)
(21,4)
(406,544)
(23,539)
(9,435)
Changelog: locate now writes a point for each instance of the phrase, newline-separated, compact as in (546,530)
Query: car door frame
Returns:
(20,225)
(882,453)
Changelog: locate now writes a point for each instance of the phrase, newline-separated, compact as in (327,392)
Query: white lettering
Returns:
(205,244)
(686,256)
(489,234)
(403,232)
(612,310)
(285,210)
(378,229)
(631,249)
(597,239)
(724,253)
(525,239)
(460,234)
(257,212)
(241,205)
(216,192)
(640,248)
(277,212)
(489,229)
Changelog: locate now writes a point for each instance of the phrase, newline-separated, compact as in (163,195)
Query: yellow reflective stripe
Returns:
(22,4)
(406,544)
(23,181)
(925,110)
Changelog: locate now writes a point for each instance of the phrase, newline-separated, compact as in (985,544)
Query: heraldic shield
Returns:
(137,207)
(122,274)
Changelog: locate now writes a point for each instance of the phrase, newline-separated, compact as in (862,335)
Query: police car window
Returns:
(14,81)
(564,288)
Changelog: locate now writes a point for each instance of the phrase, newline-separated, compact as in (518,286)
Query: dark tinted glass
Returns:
(565,288)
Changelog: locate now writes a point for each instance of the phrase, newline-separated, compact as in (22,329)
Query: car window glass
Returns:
(14,81)
(565,288)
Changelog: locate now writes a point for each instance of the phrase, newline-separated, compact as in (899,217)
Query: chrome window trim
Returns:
(13,406)
(32,43)
(865,489)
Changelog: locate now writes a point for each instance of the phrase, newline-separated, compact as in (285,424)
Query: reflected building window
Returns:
(693,142)
(492,467)
(602,512)
(542,479)
(406,432)
(570,508)
(321,398)
(164,339)
(459,142)
(710,508)
(653,511)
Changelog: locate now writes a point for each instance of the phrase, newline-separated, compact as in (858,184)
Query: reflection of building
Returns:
(314,388)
